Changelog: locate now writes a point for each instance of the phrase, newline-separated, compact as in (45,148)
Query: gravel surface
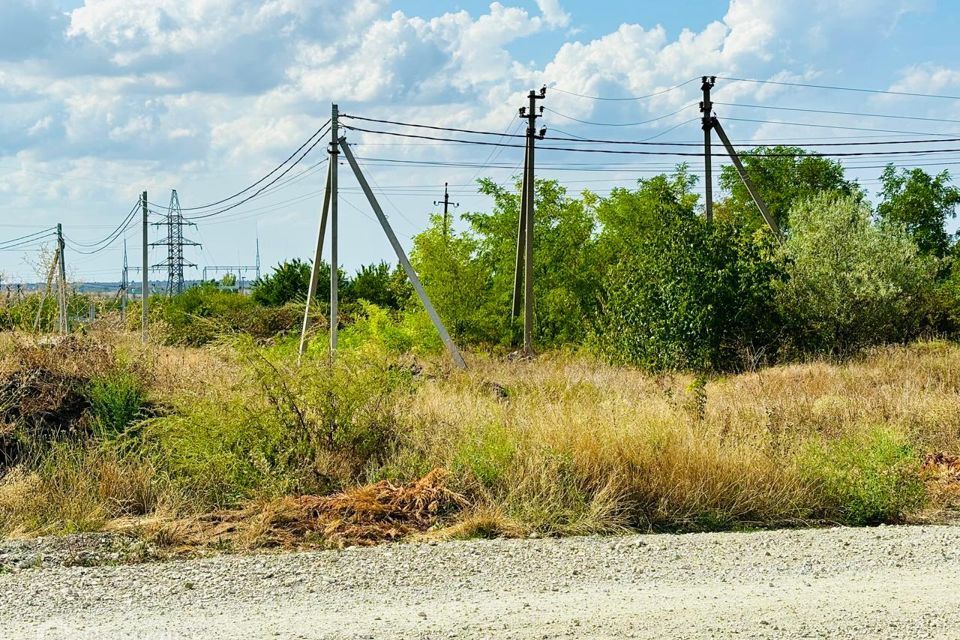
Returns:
(888,582)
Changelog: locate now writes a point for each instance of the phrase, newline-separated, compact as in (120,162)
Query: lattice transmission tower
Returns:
(174,221)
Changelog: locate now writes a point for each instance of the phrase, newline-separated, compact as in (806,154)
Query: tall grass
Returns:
(560,445)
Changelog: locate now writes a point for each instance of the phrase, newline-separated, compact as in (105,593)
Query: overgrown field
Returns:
(236,445)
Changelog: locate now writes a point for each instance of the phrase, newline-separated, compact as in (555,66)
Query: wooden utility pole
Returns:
(446,209)
(524,262)
(334,260)
(62,291)
(706,108)
(145,269)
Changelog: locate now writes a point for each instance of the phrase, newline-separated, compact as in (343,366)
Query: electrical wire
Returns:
(262,189)
(318,133)
(110,238)
(647,141)
(837,113)
(629,98)
(837,126)
(621,124)
(839,88)
(657,153)
(28,236)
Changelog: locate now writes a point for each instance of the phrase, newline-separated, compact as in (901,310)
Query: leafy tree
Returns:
(470,276)
(851,282)
(681,294)
(291,279)
(288,282)
(378,284)
(922,204)
(783,176)
(229,280)
(460,284)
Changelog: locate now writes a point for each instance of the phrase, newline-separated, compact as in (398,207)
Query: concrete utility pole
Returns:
(446,209)
(524,261)
(747,182)
(315,271)
(62,293)
(145,269)
(706,108)
(402,256)
(123,284)
(334,259)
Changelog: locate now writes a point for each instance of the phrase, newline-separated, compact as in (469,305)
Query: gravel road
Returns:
(888,582)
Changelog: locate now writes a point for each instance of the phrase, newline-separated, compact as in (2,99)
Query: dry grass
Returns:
(558,446)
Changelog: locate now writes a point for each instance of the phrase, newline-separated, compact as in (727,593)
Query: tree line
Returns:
(641,278)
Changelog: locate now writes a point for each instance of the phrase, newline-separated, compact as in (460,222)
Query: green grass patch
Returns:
(865,478)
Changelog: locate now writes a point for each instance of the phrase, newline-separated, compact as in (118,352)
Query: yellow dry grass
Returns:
(563,444)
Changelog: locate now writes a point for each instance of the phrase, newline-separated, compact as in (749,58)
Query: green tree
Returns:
(228,280)
(289,282)
(461,286)
(851,282)
(783,176)
(377,283)
(470,277)
(681,293)
(922,204)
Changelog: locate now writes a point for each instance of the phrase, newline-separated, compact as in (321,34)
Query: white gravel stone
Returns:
(894,582)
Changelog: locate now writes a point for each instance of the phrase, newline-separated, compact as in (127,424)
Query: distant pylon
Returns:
(174,242)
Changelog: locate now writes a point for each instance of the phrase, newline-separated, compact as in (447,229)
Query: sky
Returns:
(102,99)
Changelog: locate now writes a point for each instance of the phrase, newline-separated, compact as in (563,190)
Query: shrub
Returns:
(409,332)
(851,283)
(201,314)
(288,283)
(116,402)
(690,296)
(865,478)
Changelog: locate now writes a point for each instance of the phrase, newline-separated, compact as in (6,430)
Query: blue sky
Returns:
(101,99)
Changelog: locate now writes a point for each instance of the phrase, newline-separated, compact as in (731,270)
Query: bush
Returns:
(690,296)
(201,314)
(851,283)
(393,332)
(866,478)
(288,283)
(116,402)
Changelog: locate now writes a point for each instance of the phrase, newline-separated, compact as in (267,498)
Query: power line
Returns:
(319,132)
(107,240)
(838,88)
(658,153)
(262,189)
(620,124)
(837,126)
(629,98)
(838,113)
(29,236)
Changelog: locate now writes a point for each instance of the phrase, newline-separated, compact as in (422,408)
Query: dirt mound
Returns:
(38,405)
(42,392)
(365,515)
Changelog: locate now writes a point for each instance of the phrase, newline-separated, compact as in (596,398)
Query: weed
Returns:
(116,402)
(865,478)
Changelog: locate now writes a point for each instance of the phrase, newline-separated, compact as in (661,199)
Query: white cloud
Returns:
(553,13)
(927,79)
